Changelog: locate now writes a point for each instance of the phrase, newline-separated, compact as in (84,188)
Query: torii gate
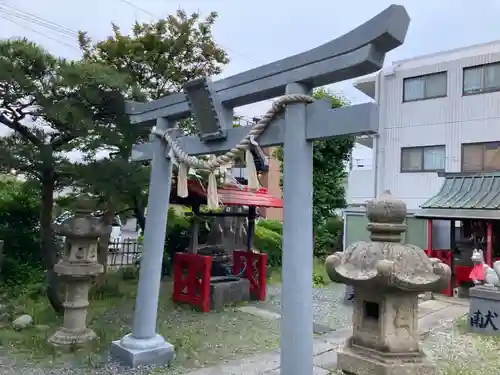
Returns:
(359,52)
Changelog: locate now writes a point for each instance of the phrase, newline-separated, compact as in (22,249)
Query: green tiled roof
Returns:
(466,196)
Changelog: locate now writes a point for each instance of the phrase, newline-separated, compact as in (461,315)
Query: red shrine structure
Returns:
(471,203)
(193,272)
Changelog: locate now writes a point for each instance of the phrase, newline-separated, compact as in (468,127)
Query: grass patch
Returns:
(320,277)
(200,339)
(458,352)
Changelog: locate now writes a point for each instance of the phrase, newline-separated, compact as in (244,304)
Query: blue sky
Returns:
(258,32)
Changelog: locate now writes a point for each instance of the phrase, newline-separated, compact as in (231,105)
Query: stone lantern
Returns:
(387,277)
(77,268)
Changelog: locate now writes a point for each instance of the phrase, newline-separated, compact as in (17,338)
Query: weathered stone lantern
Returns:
(77,268)
(387,277)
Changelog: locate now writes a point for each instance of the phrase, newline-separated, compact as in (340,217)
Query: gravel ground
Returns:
(328,308)
(455,352)
(459,353)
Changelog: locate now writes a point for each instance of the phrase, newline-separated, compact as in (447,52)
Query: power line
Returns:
(33,18)
(7,18)
(130,3)
(138,7)
(20,17)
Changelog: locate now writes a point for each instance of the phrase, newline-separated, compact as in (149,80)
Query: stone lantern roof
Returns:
(82,225)
(384,262)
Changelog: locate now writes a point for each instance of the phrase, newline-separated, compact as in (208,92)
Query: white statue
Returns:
(492,275)
(483,274)
(478,272)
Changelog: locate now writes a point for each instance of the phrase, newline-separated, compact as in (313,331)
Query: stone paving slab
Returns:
(435,319)
(317,371)
(274,314)
(262,313)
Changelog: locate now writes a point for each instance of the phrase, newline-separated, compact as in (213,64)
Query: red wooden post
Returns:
(262,268)
(429,238)
(190,288)
(489,245)
(243,263)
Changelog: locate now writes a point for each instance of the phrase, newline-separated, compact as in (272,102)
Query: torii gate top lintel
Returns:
(359,52)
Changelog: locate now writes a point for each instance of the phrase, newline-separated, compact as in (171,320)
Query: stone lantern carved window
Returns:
(371,310)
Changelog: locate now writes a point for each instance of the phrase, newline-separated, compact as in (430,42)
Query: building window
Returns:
(481,157)
(423,159)
(429,86)
(481,79)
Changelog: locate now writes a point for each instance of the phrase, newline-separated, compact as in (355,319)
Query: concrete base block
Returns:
(135,352)
(484,311)
(228,289)
(360,362)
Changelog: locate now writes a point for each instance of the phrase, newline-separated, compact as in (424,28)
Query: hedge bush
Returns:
(274,225)
(178,236)
(19,228)
(328,237)
(269,242)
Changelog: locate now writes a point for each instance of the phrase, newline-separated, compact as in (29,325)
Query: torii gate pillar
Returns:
(297,260)
(361,51)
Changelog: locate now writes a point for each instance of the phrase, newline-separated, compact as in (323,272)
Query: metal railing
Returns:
(124,253)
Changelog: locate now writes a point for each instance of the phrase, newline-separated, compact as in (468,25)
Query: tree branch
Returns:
(61,140)
(19,128)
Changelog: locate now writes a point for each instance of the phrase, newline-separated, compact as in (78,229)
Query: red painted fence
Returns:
(192,276)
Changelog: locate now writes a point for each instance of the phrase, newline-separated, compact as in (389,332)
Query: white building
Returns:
(438,113)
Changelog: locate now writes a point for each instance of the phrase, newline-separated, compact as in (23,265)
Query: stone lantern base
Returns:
(78,279)
(67,338)
(354,360)
(385,337)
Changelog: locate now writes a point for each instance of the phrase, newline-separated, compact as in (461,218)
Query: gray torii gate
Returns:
(359,52)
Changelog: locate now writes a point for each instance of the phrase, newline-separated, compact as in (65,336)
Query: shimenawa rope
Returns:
(185,161)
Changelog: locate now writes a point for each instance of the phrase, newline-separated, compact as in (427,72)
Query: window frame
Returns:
(422,169)
(425,76)
(482,170)
(483,90)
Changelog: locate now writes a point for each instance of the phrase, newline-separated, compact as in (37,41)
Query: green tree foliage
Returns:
(158,58)
(52,106)
(19,214)
(329,163)
(328,237)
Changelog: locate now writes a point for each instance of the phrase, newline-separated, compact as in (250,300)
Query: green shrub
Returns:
(269,242)
(318,280)
(328,237)
(178,236)
(19,228)
(178,232)
(274,225)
